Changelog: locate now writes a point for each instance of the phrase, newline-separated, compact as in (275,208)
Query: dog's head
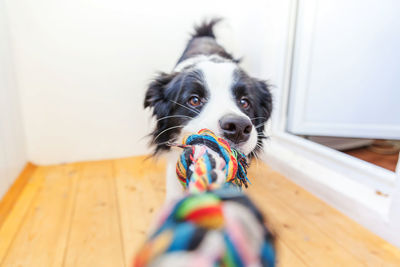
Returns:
(209,91)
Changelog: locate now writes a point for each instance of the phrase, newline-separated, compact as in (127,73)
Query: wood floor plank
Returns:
(286,257)
(310,245)
(297,233)
(16,216)
(95,237)
(43,235)
(12,195)
(141,190)
(367,248)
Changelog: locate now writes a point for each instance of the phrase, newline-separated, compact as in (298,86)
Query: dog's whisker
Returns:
(193,110)
(259,146)
(170,128)
(259,125)
(174,116)
(253,157)
(169,142)
(258,118)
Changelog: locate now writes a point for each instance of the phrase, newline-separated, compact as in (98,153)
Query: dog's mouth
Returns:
(239,146)
(234,145)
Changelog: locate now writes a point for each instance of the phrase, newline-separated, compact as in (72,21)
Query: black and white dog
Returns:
(207,89)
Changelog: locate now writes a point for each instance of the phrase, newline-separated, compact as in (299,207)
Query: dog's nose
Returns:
(235,128)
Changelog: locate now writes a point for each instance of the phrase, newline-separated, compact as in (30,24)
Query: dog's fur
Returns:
(209,77)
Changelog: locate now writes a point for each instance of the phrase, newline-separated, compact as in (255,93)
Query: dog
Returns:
(206,89)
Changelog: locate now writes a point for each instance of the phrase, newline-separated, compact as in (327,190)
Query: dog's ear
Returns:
(265,98)
(156,90)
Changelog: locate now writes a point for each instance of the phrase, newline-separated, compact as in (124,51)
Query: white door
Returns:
(346,69)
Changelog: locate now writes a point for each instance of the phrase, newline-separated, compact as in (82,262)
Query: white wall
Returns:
(83,66)
(12,150)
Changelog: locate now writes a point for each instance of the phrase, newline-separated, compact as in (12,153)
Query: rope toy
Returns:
(214,224)
(208,162)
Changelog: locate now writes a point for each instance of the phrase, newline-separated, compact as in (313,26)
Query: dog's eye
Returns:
(194,101)
(244,103)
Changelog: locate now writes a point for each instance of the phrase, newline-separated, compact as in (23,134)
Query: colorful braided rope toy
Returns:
(214,224)
(208,162)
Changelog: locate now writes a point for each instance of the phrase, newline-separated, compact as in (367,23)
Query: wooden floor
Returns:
(98,213)
(387,161)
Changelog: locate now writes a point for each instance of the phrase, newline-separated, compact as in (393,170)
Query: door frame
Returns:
(365,192)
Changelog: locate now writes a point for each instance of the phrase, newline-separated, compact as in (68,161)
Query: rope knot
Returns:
(209,162)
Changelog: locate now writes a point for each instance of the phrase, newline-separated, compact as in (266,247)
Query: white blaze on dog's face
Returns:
(219,79)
